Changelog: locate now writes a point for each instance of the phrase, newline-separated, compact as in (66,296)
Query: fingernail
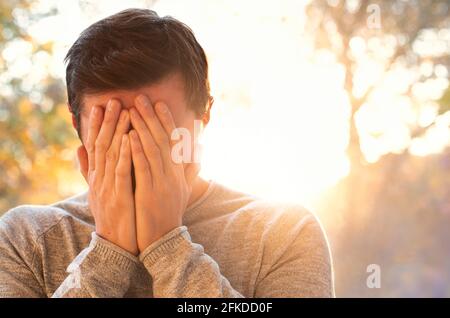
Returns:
(144,100)
(111,105)
(161,108)
(95,111)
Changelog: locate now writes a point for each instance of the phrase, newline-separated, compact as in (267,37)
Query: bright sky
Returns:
(280,120)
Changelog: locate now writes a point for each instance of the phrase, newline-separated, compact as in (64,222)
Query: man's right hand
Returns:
(108,174)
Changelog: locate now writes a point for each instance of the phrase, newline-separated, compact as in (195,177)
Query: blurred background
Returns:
(342,106)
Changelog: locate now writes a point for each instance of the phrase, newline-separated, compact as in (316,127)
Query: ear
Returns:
(83,160)
(207,114)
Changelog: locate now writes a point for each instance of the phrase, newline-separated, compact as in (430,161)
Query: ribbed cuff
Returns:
(111,253)
(164,246)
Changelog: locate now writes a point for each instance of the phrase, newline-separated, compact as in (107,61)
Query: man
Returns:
(149,226)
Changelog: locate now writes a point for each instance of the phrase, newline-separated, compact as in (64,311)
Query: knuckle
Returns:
(121,173)
(162,140)
(111,155)
(92,122)
(90,146)
(153,151)
(138,150)
(95,181)
(91,177)
(100,145)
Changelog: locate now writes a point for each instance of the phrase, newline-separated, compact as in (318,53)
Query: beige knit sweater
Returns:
(231,245)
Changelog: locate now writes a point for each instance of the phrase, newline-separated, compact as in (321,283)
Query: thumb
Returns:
(83,160)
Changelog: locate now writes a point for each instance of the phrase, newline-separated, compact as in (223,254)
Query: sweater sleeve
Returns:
(16,277)
(180,268)
(101,270)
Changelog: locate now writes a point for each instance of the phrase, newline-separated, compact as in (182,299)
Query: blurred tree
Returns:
(392,34)
(393,212)
(35,126)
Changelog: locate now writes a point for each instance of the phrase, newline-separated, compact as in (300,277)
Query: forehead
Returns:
(169,90)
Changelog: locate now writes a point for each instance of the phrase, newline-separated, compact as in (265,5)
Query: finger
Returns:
(151,150)
(160,136)
(165,117)
(123,169)
(83,161)
(191,172)
(105,136)
(95,122)
(141,166)
(112,155)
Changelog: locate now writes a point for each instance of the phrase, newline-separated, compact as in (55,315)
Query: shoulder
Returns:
(273,221)
(282,228)
(293,238)
(29,222)
(283,222)
(262,211)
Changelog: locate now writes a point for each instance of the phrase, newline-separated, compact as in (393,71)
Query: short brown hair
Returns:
(133,48)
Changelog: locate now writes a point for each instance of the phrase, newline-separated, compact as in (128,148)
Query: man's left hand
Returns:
(163,187)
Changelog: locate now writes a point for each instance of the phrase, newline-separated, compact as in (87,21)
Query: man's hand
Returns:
(163,187)
(108,174)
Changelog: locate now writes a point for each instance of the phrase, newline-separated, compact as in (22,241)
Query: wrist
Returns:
(164,249)
(117,239)
(109,253)
(153,234)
